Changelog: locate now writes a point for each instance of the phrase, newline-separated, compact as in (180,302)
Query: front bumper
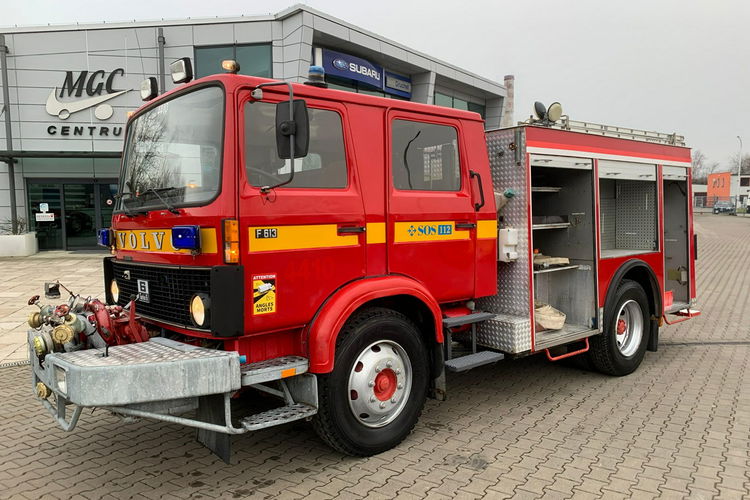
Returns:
(157,370)
(161,378)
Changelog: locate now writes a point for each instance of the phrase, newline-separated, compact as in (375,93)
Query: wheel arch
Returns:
(640,272)
(399,293)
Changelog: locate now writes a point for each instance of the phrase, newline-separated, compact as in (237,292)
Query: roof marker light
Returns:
(230,66)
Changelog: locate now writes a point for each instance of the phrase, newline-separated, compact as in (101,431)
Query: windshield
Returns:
(173,152)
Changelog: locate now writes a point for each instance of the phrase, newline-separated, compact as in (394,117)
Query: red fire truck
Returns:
(333,254)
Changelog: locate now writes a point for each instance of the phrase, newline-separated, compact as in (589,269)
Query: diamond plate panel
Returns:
(158,350)
(511,332)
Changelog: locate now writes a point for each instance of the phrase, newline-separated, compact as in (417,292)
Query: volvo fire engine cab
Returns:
(329,256)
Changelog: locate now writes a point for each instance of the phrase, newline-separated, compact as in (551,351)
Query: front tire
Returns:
(373,397)
(620,349)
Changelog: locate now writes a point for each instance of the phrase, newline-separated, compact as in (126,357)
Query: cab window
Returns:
(424,156)
(323,167)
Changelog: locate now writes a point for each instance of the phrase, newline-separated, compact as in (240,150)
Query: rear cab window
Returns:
(424,156)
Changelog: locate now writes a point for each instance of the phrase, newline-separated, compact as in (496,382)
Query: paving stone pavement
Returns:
(677,428)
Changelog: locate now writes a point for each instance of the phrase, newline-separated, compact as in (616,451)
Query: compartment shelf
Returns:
(551,225)
(553,269)
(545,189)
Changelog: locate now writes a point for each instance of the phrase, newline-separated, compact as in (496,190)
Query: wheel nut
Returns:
(377,369)
(372,399)
(389,364)
(382,405)
(371,383)
(398,372)
(393,400)
(400,386)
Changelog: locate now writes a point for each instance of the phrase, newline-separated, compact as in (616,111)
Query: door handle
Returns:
(351,229)
(465,225)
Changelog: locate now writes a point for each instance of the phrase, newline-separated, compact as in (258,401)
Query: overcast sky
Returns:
(664,65)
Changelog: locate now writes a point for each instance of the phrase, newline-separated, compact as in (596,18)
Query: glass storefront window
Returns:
(456,103)
(254,60)
(477,108)
(79,208)
(443,100)
(49,234)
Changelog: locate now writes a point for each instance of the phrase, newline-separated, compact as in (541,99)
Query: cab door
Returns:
(302,241)
(431,216)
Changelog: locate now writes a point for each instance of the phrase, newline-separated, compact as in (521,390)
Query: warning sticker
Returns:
(264,294)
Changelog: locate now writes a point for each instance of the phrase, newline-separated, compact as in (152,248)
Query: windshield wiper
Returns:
(121,196)
(156,191)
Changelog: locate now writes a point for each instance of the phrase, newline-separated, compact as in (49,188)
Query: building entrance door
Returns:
(80,207)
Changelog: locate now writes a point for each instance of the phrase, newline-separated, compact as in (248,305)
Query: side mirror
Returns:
(285,127)
(181,70)
(52,290)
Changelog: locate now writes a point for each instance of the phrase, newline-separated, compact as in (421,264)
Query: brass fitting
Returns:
(39,346)
(62,334)
(42,391)
(35,320)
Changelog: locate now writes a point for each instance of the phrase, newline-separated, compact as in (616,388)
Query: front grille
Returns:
(170,290)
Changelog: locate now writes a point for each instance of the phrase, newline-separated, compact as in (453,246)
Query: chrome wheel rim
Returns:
(379,383)
(629,328)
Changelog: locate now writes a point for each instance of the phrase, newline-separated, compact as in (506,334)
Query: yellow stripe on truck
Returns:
(417,232)
(375,232)
(160,240)
(486,229)
(270,238)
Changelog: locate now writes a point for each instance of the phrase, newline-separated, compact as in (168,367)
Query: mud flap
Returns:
(211,410)
(653,337)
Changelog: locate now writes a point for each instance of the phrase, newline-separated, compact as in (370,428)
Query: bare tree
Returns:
(702,167)
(745,163)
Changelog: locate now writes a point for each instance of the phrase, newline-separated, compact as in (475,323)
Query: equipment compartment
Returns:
(628,217)
(570,288)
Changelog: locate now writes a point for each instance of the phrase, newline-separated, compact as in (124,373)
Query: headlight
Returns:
(114,290)
(199,309)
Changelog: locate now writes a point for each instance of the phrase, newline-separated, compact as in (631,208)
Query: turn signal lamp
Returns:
(186,237)
(231,241)
(230,66)
(104,237)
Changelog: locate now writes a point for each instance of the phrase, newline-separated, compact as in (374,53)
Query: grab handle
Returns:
(479,205)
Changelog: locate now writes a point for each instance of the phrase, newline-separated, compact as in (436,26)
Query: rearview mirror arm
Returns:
(266,189)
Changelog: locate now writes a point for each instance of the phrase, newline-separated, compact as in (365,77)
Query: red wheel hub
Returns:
(385,384)
(621,326)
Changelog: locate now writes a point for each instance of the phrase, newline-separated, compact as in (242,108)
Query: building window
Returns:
(744,181)
(424,156)
(323,167)
(456,103)
(254,60)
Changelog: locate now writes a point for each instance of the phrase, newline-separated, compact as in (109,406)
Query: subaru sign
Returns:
(353,68)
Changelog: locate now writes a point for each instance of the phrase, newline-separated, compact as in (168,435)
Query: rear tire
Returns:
(619,350)
(375,394)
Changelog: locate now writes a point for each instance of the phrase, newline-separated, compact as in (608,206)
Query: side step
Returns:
(278,416)
(465,363)
(273,369)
